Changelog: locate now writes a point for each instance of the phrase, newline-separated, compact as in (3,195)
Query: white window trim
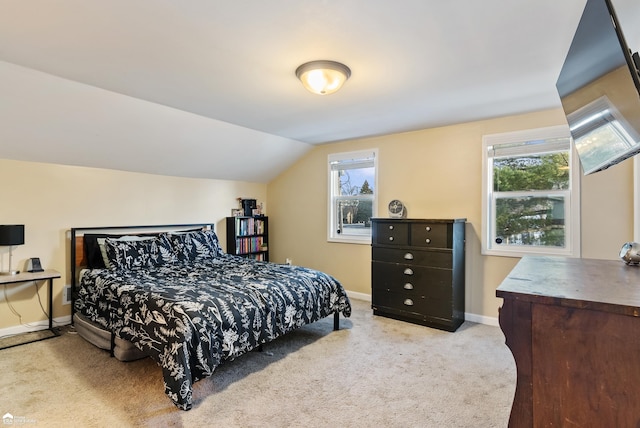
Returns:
(350,239)
(572,230)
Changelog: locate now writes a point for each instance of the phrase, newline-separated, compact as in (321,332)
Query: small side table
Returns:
(47,275)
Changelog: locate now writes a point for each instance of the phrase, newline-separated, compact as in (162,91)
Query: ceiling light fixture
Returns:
(323,77)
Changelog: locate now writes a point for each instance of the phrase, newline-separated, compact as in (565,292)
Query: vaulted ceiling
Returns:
(206,88)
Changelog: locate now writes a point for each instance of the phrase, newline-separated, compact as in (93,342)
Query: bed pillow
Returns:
(136,254)
(92,250)
(95,251)
(161,251)
(103,249)
(195,246)
(215,244)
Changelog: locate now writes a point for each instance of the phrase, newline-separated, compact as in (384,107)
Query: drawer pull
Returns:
(408,286)
(408,256)
(391,238)
(408,302)
(428,241)
(428,228)
(408,271)
(391,227)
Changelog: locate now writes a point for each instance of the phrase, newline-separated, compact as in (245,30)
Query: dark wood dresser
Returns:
(417,271)
(573,328)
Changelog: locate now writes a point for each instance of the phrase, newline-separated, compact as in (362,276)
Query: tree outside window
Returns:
(531,198)
(352,196)
(531,220)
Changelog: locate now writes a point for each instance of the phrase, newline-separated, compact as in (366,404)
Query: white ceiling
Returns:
(201,88)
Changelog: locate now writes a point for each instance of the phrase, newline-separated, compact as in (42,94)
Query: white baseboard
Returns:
(35,326)
(480,319)
(359,296)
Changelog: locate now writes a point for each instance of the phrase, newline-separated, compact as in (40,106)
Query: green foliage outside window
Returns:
(537,172)
(531,219)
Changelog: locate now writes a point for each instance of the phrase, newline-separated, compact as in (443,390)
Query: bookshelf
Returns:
(248,237)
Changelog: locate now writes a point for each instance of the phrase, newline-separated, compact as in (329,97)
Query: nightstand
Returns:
(47,275)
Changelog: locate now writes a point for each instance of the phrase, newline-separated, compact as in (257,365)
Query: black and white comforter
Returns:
(190,316)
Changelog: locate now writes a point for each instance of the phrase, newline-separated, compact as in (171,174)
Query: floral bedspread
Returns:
(189,317)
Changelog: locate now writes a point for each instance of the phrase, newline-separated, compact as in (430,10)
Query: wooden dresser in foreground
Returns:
(417,271)
(573,328)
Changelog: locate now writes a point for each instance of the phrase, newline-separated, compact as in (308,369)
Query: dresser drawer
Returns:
(416,307)
(391,233)
(442,259)
(413,280)
(434,235)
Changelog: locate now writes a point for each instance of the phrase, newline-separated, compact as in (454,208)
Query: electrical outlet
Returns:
(288,261)
(66,295)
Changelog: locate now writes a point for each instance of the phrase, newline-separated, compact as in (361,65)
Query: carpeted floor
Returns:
(374,372)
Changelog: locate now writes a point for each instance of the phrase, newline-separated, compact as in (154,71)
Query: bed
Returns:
(171,293)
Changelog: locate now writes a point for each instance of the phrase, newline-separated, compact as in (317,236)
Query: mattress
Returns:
(123,350)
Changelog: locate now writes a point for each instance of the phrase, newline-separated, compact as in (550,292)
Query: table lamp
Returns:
(11,234)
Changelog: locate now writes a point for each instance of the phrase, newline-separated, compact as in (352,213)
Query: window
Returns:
(531,194)
(352,196)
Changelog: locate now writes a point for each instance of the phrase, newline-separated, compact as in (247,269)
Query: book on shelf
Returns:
(249,226)
(251,244)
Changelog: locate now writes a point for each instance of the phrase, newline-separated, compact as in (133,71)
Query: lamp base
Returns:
(10,272)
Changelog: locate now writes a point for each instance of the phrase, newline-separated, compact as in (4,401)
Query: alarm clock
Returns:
(396,209)
(33,265)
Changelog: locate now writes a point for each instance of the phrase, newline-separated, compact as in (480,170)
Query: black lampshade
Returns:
(11,234)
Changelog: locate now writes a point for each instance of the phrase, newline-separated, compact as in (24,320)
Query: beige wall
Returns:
(50,199)
(437,174)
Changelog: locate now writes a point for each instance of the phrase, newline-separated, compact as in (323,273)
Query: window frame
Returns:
(354,156)
(572,195)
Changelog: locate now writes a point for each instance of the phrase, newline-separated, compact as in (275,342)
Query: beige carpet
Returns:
(374,372)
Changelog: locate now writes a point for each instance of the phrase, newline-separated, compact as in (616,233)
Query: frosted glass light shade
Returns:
(323,77)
